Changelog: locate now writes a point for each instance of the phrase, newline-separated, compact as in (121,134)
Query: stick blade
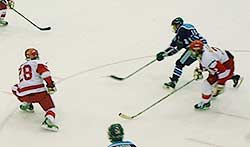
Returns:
(125,116)
(240,82)
(45,29)
(116,78)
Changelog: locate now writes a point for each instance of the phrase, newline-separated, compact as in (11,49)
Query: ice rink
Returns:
(91,39)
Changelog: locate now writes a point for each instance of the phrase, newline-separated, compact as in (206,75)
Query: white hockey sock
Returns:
(2,14)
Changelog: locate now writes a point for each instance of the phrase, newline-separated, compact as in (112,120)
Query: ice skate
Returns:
(202,106)
(3,23)
(49,125)
(215,94)
(237,80)
(170,84)
(27,107)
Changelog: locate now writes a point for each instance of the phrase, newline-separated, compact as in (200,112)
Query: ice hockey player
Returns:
(115,134)
(3,8)
(220,65)
(185,34)
(31,88)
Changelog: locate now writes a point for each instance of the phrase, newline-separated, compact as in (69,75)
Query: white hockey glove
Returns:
(51,88)
(11,4)
(198,74)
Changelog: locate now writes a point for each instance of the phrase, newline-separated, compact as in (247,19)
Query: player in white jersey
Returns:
(220,65)
(116,133)
(3,8)
(31,88)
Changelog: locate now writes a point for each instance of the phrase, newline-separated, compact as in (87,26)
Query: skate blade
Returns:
(168,87)
(240,82)
(202,109)
(29,111)
(3,25)
(214,98)
(54,129)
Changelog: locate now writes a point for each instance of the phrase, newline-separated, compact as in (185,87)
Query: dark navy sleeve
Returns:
(180,39)
(173,43)
(185,35)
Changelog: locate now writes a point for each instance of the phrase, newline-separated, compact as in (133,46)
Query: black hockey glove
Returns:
(160,56)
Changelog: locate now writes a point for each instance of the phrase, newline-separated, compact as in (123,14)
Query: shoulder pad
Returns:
(187,26)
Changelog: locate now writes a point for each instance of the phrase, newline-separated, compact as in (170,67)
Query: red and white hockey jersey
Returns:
(3,4)
(217,61)
(31,76)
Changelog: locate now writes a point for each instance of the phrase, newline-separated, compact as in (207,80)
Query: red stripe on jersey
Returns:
(219,67)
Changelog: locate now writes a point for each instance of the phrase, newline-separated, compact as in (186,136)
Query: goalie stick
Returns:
(40,28)
(124,78)
(131,117)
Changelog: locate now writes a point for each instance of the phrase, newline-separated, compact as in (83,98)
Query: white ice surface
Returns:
(91,39)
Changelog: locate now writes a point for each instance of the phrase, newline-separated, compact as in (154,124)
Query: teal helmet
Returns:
(115,132)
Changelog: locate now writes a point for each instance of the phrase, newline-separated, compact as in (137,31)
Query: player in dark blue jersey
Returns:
(185,34)
(116,133)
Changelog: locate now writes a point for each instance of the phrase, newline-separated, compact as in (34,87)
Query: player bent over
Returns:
(185,34)
(3,8)
(31,88)
(115,134)
(220,65)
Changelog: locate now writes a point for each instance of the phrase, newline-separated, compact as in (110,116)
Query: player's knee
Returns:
(47,102)
(211,79)
(2,6)
(179,65)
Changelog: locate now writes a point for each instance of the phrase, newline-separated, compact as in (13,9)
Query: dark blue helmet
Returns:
(115,133)
(177,21)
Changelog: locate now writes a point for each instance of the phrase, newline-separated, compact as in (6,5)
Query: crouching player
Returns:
(4,4)
(220,65)
(31,88)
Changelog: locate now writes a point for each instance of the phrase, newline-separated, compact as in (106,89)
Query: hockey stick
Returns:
(42,29)
(120,79)
(131,117)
